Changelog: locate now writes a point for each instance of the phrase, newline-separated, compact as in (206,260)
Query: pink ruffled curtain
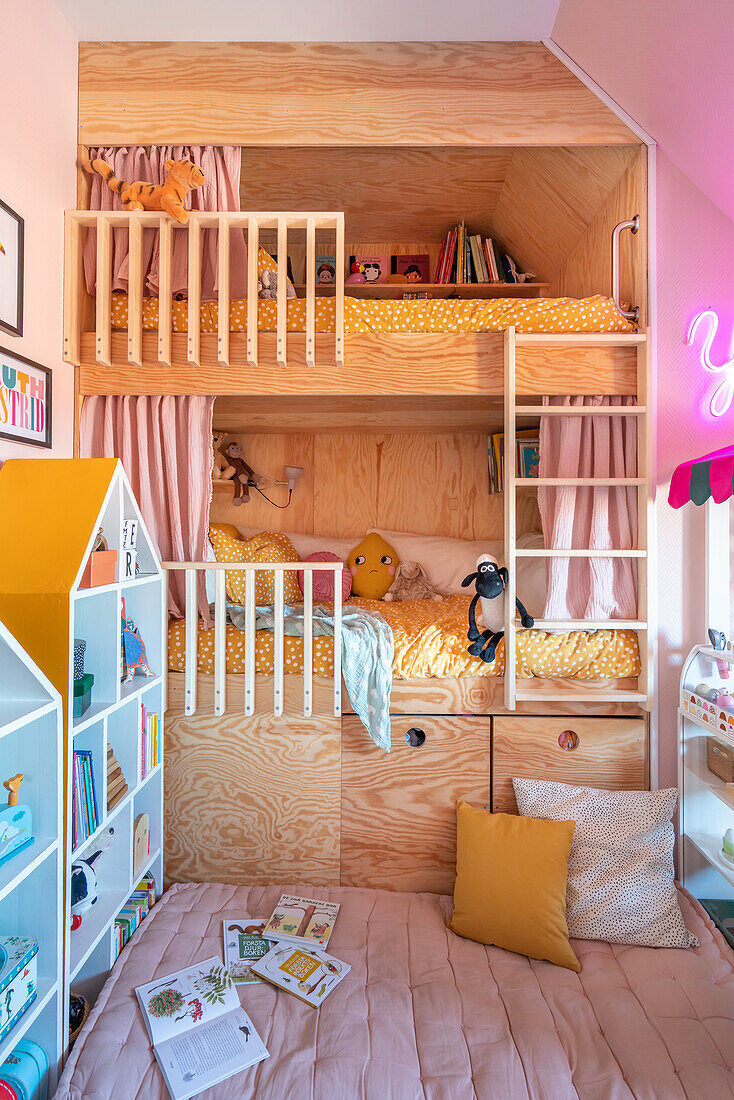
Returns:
(165,445)
(221,191)
(597,518)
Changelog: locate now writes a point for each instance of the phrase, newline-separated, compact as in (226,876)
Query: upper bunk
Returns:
(526,155)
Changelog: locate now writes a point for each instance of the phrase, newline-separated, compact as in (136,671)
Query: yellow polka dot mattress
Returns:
(557,315)
(430,640)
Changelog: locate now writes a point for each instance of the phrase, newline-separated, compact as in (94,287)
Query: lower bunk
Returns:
(426,1015)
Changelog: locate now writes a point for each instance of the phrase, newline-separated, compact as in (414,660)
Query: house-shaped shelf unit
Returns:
(31,880)
(53,511)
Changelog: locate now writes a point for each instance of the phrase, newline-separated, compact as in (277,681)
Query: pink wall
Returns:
(38,180)
(674,75)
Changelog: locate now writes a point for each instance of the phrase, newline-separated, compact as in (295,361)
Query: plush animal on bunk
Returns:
(411,583)
(267,285)
(244,475)
(490,584)
(170,196)
(372,564)
(222,469)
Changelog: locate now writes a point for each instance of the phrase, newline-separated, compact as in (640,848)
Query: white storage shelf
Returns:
(114,719)
(31,882)
(706,801)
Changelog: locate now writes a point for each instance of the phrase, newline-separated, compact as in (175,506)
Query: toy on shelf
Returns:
(222,470)
(23,1071)
(141,842)
(17,979)
(101,565)
(84,886)
(83,693)
(16,827)
(133,650)
(116,783)
(727,847)
(80,649)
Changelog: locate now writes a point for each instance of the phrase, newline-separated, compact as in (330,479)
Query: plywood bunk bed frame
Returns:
(323,805)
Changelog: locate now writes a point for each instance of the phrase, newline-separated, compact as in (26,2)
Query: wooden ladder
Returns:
(514,343)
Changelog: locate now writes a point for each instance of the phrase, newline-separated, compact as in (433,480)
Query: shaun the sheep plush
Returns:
(491,582)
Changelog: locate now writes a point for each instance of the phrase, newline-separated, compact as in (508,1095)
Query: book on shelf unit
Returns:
(471,258)
(527,457)
(136,909)
(84,811)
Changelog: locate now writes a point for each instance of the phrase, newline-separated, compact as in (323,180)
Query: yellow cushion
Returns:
(225,529)
(372,563)
(265,262)
(267,546)
(510,887)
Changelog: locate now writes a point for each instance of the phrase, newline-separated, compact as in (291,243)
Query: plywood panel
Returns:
(610,754)
(416,361)
(252,800)
(407,93)
(485,695)
(587,268)
(426,484)
(399,810)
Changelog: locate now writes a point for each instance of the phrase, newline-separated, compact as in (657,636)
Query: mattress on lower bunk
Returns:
(430,640)
(426,1015)
(595,314)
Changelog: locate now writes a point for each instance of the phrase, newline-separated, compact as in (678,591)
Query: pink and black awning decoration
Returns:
(708,476)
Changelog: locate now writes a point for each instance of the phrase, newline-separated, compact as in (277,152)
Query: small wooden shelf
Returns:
(434,290)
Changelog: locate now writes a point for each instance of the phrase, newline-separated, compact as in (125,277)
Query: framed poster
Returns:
(11,271)
(25,400)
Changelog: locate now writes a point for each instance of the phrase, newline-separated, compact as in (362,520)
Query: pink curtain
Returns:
(581,517)
(165,445)
(221,191)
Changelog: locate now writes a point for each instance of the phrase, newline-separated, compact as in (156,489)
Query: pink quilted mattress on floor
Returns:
(424,1013)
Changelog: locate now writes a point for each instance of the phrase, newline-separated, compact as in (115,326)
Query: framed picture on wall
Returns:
(11,271)
(25,400)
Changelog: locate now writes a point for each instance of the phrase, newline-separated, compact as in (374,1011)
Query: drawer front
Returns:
(589,752)
(399,809)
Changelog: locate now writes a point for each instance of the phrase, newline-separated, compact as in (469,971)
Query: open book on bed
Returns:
(199,1032)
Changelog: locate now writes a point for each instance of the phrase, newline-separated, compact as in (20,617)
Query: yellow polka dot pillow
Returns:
(267,546)
(265,262)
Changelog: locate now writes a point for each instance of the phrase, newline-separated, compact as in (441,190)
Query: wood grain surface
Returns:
(425,484)
(416,360)
(399,810)
(485,695)
(253,800)
(611,754)
(360,93)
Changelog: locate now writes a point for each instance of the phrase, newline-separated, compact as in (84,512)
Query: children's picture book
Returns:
(200,1034)
(415,269)
(374,267)
(306,972)
(305,921)
(326,270)
(244,944)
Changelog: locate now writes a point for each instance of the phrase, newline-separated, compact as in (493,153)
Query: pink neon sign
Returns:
(722,396)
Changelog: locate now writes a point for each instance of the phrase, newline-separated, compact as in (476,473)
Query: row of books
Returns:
(527,457)
(84,812)
(134,912)
(149,751)
(471,258)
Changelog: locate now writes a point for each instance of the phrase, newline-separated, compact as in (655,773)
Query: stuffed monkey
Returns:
(242,472)
(491,582)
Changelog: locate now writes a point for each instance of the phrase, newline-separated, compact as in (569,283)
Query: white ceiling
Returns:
(311,20)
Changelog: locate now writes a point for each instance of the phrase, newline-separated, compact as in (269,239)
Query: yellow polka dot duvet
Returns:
(595,314)
(430,640)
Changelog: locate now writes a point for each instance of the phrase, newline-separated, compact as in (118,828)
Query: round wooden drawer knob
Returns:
(568,740)
(415,737)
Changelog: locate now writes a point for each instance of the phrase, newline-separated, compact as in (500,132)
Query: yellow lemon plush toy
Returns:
(372,564)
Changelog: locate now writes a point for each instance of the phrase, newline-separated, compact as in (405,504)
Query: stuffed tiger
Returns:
(183,176)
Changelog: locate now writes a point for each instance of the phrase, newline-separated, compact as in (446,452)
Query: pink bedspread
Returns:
(424,1013)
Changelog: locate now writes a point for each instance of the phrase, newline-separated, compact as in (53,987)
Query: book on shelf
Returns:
(199,1033)
(149,741)
(136,909)
(306,972)
(84,809)
(527,457)
(470,258)
(244,944)
(304,921)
